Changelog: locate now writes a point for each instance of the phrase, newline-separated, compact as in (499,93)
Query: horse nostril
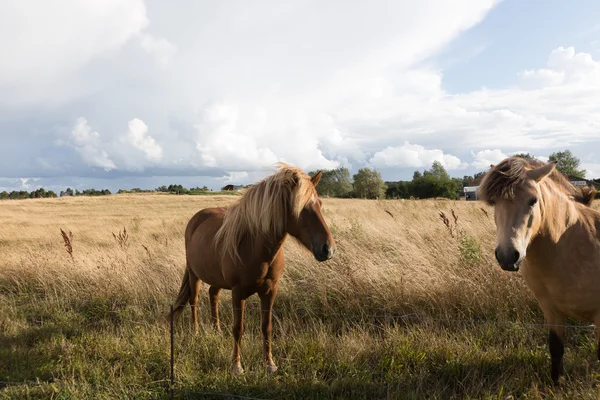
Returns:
(496,253)
(325,249)
(516,256)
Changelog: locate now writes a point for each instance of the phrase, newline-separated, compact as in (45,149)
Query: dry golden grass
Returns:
(88,324)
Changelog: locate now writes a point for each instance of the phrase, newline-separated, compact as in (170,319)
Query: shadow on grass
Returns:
(496,378)
(28,355)
(41,346)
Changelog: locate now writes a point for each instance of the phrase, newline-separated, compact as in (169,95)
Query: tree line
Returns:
(23,194)
(42,193)
(85,192)
(430,183)
(366,183)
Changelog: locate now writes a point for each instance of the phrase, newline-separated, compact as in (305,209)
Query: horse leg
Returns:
(267,299)
(238,300)
(195,285)
(556,344)
(213,295)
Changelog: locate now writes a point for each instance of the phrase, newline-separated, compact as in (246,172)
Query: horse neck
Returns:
(558,213)
(269,245)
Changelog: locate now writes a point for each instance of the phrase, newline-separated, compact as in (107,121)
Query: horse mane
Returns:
(502,179)
(264,208)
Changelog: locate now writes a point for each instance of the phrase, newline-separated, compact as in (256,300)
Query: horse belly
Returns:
(206,265)
(572,296)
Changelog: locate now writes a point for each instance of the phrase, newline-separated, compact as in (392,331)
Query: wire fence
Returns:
(172,384)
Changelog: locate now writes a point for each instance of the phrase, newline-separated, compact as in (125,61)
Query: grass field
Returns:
(408,308)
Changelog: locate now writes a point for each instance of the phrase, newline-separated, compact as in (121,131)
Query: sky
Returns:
(142,93)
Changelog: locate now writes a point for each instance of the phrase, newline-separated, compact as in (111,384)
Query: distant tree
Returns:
(478,174)
(398,190)
(568,164)
(17,195)
(460,184)
(198,190)
(368,184)
(467,180)
(438,170)
(177,189)
(434,182)
(38,193)
(334,182)
(526,156)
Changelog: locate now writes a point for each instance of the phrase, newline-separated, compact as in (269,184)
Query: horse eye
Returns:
(533,201)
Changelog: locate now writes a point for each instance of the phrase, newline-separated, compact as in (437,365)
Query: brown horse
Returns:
(241,248)
(544,223)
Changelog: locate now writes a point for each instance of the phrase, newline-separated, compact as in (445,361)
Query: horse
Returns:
(240,248)
(546,228)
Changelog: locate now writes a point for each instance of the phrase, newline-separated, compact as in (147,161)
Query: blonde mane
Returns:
(264,208)
(502,179)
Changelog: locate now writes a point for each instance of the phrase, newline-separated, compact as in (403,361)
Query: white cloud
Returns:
(563,66)
(161,49)
(224,140)
(25,185)
(238,138)
(252,84)
(532,79)
(485,158)
(592,170)
(414,156)
(45,45)
(137,136)
(235,177)
(87,143)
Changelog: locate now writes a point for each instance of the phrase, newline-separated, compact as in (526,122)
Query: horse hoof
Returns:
(271,368)
(237,370)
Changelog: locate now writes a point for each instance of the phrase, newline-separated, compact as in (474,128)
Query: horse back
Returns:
(202,259)
(202,216)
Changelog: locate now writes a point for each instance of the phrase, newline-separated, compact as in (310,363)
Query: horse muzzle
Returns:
(323,252)
(509,260)
(511,267)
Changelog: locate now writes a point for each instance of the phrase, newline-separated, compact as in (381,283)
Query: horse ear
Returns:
(540,173)
(316,178)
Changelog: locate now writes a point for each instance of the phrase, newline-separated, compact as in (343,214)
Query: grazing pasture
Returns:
(412,305)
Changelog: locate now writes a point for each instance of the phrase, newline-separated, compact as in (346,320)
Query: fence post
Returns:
(172,354)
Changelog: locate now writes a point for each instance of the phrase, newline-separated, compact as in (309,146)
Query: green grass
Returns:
(103,349)
(404,311)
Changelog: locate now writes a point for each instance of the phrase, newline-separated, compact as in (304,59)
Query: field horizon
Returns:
(412,305)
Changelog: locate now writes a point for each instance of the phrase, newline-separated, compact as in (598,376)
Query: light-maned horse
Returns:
(545,224)
(240,248)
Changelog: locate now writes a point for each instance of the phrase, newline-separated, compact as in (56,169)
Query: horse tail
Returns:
(184,295)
